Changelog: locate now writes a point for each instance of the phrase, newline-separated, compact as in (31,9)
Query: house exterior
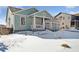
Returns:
(28,19)
(75,21)
(63,20)
(55,24)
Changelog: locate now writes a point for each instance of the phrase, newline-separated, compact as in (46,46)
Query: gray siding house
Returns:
(75,21)
(66,21)
(63,20)
(28,19)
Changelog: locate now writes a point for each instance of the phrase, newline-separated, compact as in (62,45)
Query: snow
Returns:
(73,30)
(41,41)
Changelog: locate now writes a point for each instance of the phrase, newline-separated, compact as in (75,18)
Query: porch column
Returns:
(50,23)
(43,23)
(75,23)
(34,23)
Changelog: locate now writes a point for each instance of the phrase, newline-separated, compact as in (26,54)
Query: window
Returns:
(63,18)
(22,20)
(62,23)
(62,27)
(72,24)
(60,17)
(67,27)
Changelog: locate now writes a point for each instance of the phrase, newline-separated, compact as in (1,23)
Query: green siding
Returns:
(17,22)
(27,26)
(29,22)
(27,12)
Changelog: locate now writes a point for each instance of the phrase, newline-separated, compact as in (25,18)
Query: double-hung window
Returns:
(22,20)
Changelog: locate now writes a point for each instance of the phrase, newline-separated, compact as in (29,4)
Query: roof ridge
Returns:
(14,9)
(62,13)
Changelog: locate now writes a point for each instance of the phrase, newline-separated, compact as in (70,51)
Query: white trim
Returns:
(13,23)
(20,15)
(34,22)
(51,24)
(10,11)
(43,23)
(20,20)
(43,17)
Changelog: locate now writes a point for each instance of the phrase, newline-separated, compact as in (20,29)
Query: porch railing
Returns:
(37,27)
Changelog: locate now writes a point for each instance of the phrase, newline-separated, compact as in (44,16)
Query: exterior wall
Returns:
(75,22)
(15,22)
(66,21)
(18,25)
(55,24)
(45,14)
(11,16)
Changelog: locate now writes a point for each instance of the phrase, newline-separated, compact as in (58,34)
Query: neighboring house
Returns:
(55,24)
(28,19)
(63,20)
(75,21)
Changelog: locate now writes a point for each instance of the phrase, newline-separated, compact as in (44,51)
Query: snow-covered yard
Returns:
(41,41)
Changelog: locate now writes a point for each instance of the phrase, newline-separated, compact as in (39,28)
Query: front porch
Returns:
(75,23)
(41,23)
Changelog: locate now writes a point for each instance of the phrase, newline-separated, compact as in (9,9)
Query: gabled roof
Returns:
(40,12)
(13,9)
(62,13)
(17,10)
(76,14)
(27,9)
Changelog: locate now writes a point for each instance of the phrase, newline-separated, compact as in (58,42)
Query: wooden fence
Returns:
(5,31)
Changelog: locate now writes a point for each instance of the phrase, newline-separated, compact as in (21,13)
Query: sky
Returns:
(53,10)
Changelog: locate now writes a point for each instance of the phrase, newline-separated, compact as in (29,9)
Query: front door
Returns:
(47,23)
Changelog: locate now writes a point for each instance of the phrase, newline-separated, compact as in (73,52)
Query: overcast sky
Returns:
(53,10)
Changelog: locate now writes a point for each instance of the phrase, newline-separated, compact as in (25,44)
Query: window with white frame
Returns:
(22,20)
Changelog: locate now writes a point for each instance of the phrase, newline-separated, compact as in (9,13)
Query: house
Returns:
(28,19)
(63,20)
(75,21)
(55,24)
